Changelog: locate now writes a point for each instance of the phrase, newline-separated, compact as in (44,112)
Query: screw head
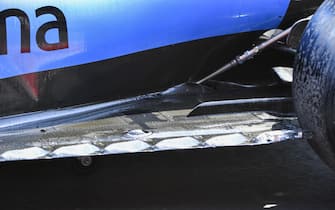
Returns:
(85,161)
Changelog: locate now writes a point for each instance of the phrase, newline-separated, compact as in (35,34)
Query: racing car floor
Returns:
(285,175)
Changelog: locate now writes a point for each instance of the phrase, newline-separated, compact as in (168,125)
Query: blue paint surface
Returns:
(104,29)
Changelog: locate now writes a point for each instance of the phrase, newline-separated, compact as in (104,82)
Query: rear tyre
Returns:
(314,82)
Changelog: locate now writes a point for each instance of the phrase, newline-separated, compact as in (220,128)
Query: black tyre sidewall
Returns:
(314,81)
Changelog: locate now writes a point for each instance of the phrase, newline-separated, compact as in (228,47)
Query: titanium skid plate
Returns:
(149,132)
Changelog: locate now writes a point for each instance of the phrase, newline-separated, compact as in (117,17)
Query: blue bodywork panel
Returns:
(105,29)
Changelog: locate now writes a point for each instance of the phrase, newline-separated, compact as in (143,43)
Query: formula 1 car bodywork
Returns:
(84,78)
(70,53)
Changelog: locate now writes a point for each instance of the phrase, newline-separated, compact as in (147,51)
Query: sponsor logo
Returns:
(42,43)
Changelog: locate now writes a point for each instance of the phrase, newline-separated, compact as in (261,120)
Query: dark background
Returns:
(288,174)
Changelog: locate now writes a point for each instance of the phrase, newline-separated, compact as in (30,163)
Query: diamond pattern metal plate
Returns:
(149,132)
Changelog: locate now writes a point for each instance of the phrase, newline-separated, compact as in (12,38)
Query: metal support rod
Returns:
(249,54)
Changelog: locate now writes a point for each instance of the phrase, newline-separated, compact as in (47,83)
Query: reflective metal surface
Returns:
(147,132)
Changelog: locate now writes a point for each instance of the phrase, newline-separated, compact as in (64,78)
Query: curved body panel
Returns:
(85,31)
(57,53)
